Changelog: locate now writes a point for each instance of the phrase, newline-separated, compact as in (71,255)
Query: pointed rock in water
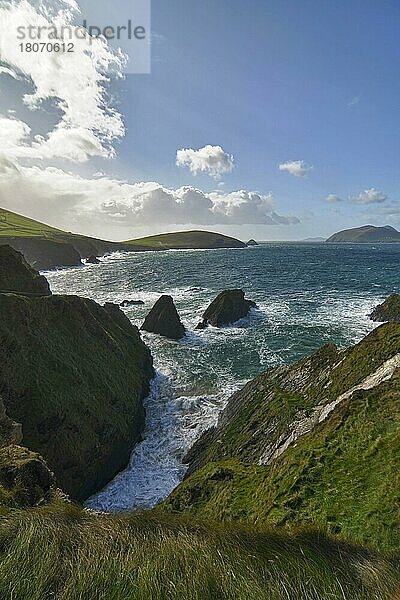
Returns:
(389,310)
(17,276)
(228,307)
(164,319)
(252,243)
(92,260)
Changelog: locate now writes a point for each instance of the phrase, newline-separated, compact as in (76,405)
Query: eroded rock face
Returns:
(228,307)
(389,310)
(17,276)
(164,319)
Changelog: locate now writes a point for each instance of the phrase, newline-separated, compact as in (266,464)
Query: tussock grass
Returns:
(69,554)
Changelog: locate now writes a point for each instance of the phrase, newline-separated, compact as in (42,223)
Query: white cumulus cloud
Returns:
(298,168)
(75,82)
(370,196)
(210,159)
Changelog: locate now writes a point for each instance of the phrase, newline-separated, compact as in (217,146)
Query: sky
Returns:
(265,119)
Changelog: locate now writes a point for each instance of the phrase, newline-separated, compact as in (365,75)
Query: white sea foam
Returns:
(196,375)
(156,468)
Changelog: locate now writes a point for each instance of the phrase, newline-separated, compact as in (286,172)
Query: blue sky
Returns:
(270,81)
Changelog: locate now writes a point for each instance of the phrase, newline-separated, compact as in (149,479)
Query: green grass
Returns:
(67,554)
(344,476)
(12,224)
(15,225)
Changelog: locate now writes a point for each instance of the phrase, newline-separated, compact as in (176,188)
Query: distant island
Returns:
(46,247)
(366,234)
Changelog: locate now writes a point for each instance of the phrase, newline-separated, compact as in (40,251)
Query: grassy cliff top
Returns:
(13,224)
(65,553)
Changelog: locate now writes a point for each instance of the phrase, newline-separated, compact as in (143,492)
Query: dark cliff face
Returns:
(16,275)
(45,254)
(314,443)
(389,310)
(74,374)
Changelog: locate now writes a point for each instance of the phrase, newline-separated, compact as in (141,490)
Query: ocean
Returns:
(307,295)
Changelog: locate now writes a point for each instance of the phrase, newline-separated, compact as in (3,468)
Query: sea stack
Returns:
(164,319)
(92,260)
(389,310)
(18,277)
(252,243)
(228,307)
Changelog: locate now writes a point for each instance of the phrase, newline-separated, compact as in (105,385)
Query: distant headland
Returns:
(46,247)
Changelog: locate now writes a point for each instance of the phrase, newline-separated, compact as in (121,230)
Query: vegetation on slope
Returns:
(66,553)
(74,374)
(341,474)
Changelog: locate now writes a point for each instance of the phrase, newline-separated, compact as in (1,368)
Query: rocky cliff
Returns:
(389,310)
(74,374)
(16,275)
(314,443)
(228,307)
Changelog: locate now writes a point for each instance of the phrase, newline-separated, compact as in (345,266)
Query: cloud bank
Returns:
(40,192)
(212,160)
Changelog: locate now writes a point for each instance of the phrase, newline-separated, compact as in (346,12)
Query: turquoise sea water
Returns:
(307,294)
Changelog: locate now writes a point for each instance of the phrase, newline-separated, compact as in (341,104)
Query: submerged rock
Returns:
(228,307)
(17,276)
(164,319)
(92,260)
(389,310)
(126,303)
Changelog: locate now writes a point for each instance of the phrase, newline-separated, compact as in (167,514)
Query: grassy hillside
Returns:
(271,460)
(188,240)
(74,374)
(68,554)
(46,247)
(366,234)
